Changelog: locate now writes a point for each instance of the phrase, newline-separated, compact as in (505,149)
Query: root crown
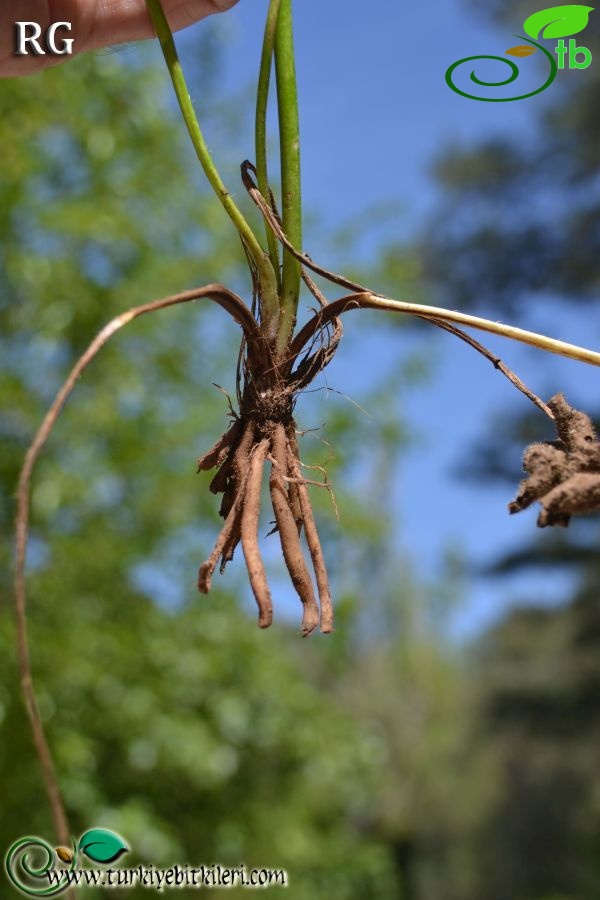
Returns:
(265,431)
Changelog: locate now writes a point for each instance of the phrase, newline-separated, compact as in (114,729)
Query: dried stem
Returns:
(42,748)
(496,362)
(363,298)
(367,300)
(240,312)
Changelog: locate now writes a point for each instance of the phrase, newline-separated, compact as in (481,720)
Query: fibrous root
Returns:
(265,432)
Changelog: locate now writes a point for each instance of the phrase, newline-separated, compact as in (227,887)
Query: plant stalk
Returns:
(289,140)
(367,300)
(260,133)
(266,273)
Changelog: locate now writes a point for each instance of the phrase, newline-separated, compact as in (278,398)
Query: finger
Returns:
(94,24)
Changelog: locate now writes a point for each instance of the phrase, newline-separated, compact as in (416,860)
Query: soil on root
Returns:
(265,432)
(564,474)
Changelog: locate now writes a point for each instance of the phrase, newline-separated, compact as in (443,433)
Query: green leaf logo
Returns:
(558,21)
(101,845)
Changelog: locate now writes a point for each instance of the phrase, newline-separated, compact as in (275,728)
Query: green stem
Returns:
(266,274)
(289,138)
(260,139)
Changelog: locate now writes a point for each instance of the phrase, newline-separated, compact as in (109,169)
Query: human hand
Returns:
(95,23)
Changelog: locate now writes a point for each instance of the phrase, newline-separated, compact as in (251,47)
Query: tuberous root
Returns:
(241,455)
(563,474)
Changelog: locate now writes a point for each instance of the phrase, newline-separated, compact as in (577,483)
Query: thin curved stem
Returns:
(240,312)
(363,298)
(266,274)
(289,141)
(496,362)
(260,130)
(367,300)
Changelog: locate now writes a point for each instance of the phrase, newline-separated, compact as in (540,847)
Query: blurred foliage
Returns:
(520,218)
(172,718)
(378,763)
(540,675)
(517,233)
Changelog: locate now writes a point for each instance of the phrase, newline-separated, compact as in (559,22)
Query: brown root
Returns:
(563,475)
(577,496)
(295,506)
(223,546)
(217,454)
(545,464)
(262,435)
(229,477)
(288,532)
(232,541)
(249,535)
(312,537)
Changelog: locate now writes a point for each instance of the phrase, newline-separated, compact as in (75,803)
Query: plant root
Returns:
(267,432)
(249,535)
(564,474)
(288,530)
(312,536)
(217,454)
(264,429)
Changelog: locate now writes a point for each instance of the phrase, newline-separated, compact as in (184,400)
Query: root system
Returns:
(264,432)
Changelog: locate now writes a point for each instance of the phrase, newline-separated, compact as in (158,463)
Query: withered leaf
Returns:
(522,50)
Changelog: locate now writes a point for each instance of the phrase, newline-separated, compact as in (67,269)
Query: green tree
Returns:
(171,717)
(517,232)
(526,226)
(540,681)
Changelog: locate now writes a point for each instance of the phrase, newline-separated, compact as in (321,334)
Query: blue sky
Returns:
(375,111)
